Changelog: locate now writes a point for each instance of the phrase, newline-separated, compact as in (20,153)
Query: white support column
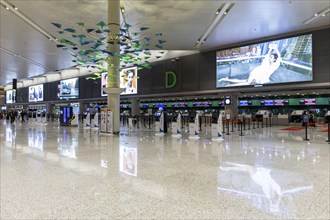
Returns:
(113,89)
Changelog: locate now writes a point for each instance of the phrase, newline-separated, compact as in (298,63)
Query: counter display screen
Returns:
(202,104)
(179,104)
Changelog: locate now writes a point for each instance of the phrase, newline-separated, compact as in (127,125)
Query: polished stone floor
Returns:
(53,172)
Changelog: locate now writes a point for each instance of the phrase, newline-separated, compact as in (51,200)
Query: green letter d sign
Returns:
(168,75)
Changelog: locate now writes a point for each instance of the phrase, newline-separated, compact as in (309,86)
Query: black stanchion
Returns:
(223,126)
(227,124)
(328,133)
(200,123)
(258,122)
(306,126)
(262,122)
(240,123)
(249,124)
(270,121)
(244,123)
(232,125)
(254,124)
(266,122)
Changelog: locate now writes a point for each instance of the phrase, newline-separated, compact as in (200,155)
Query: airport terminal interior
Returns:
(167,109)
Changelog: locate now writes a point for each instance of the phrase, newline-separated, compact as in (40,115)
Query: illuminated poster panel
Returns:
(278,61)
(128,81)
(10,96)
(68,89)
(36,93)
(104,83)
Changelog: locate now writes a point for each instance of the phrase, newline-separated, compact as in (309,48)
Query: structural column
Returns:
(233,108)
(113,90)
(50,110)
(135,107)
(82,109)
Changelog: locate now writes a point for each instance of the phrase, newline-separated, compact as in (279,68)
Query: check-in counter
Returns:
(281,119)
(327,117)
(260,114)
(295,116)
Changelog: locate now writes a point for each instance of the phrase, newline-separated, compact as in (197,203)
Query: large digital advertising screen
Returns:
(128,81)
(10,96)
(68,89)
(36,93)
(278,61)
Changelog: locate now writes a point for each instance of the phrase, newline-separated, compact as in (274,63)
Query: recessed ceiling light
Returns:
(316,14)
(7,8)
(15,8)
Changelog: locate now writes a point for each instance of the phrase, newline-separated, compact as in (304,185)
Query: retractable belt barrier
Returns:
(244,124)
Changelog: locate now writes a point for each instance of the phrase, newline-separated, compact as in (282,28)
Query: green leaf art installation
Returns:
(91,45)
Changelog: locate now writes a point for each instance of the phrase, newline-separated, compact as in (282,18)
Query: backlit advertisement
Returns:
(36,93)
(128,81)
(278,61)
(68,89)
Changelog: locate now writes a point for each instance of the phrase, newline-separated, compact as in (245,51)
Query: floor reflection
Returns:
(268,189)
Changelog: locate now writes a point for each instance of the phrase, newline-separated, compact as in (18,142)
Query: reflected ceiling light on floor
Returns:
(219,15)
(317,16)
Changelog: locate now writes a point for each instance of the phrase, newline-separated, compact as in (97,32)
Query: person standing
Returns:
(23,116)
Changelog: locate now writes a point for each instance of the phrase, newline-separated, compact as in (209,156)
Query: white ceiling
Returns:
(182,22)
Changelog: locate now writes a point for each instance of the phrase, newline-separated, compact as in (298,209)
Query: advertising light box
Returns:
(68,89)
(104,83)
(10,96)
(36,93)
(128,81)
(278,61)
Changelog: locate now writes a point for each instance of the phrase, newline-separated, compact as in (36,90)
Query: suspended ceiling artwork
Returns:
(91,46)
